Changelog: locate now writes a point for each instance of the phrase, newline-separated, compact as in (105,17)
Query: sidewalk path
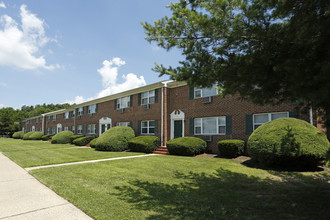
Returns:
(24,197)
(88,161)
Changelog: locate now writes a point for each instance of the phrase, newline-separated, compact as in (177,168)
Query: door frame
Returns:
(177,115)
(104,121)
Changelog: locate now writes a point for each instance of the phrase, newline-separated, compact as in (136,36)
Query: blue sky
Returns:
(72,51)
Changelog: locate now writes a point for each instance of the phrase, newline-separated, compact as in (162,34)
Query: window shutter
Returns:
(191,93)
(139,127)
(139,99)
(131,124)
(96,108)
(191,126)
(292,114)
(77,110)
(96,126)
(115,104)
(131,101)
(156,127)
(86,129)
(76,130)
(249,124)
(63,115)
(82,129)
(156,95)
(228,124)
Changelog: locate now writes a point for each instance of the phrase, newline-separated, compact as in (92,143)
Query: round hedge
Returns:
(62,137)
(146,144)
(92,144)
(18,135)
(186,146)
(36,135)
(83,141)
(27,135)
(288,142)
(72,138)
(47,137)
(115,139)
(231,148)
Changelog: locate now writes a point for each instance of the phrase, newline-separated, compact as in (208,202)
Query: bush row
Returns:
(83,141)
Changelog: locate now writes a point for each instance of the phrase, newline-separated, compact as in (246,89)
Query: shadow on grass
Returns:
(229,195)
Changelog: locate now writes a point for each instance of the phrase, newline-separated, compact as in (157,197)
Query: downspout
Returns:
(43,123)
(311,115)
(162,120)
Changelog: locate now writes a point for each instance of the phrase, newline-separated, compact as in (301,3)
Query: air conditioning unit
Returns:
(122,110)
(207,99)
(146,106)
(207,138)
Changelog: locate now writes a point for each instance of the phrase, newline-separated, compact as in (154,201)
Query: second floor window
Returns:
(123,102)
(66,115)
(80,111)
(205,92)
(148,97)
(54,117)
(92,109)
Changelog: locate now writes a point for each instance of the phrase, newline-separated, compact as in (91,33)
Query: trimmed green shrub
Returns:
(83,141)
(288,142)
(27,135)
(186,146)
(62,137)
(115,139)
(36,135)
(47,137)
(146,144)
(231,148)
(72,138)
(92,144)
(18,135)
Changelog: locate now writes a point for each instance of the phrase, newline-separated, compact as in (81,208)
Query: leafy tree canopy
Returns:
(268,51)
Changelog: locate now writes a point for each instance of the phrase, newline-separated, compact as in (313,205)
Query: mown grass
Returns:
(173,187)
(37,153)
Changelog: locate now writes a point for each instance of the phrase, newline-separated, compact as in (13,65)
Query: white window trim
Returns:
(120,101)
(217,120)
(80,111)
(124,124)
(66,115)
(148,97)
(148,127)
(54,117)
(269,117)
(79,129)
(89,131)
(73,114)
(201,90)
(90,110)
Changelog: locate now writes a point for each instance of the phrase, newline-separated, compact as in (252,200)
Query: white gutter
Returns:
(311,115)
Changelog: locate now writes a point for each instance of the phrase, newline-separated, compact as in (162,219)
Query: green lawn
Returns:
(172,187)
(37,153)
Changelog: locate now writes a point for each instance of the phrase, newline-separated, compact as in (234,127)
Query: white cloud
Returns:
(3,84)
(109,73)
(20,43)
(2,5)
(2,106)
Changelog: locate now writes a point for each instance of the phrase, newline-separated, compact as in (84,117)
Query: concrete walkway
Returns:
(24,197)
(88,161)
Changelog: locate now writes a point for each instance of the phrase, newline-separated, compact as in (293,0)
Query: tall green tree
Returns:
(267,51)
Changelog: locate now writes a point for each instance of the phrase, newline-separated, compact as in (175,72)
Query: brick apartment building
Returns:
(167,109)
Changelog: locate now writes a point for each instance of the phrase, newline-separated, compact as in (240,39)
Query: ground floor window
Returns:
(79,129)
(66,128)
(91,129)
(259,119)
(48,130)
(147,127)
(53,130)
(123,124)
(73,129)
(210,125)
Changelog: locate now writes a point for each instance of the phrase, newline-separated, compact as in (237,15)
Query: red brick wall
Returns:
(179,99)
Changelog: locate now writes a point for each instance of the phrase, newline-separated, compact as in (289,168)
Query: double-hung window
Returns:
(91,129)
(210,126)
(53,130)
(48,118)
(123,102)
(73,129)
(205,92)
(66,115)
(92,109)
(48,130)
(123,124)
(259,119)
(66,128)
(73,113)
(147,127)
(54,117)
(79,129)
(148,97)
(80,111)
